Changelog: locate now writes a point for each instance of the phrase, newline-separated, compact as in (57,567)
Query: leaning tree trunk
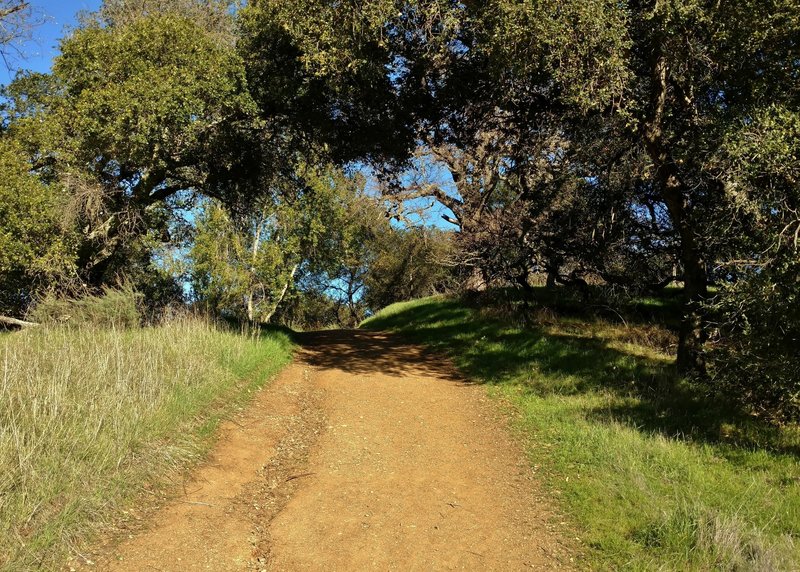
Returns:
(675,193)
(282,295)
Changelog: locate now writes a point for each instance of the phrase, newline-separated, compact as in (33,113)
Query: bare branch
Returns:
(6,12)
(17,21)
(16,322)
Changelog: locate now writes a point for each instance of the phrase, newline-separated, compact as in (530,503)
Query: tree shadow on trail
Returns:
(644,392)
(363,353)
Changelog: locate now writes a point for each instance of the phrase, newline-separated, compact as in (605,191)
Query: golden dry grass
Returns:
(89,416)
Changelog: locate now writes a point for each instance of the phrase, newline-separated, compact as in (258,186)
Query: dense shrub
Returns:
(409,264)
(754,355)
(115,307)
(35,252)
(308,310)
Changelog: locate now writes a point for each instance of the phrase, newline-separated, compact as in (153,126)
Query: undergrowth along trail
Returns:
(89,417)
(653,475)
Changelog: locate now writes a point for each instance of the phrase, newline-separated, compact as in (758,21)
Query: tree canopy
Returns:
(626,144)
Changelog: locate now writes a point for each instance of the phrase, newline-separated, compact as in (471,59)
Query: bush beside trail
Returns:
(755,349)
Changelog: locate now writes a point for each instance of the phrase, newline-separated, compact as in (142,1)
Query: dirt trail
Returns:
(366,454)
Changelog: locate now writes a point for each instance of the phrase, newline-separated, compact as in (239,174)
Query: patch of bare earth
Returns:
(366,454)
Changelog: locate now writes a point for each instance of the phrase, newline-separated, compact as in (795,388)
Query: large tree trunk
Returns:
(95,258)
(675,194)
(692,333)
(553,274)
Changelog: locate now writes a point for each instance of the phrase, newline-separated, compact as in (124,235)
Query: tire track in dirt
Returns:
(217,523)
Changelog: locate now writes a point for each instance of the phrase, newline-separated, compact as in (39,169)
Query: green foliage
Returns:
(651,474)
(406,264)
(370,263)
(136,113)
(34,251)
(310,309)
(148,94)
(244,264)
(159,285)
(580,44)
(326,88)
(322,201)
(239,273)
(757,325)
(753,356)
(114,308)
(213,16)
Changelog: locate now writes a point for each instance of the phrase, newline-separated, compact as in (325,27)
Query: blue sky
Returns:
(40,51)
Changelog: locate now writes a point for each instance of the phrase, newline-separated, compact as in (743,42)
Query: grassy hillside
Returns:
(652,475)
(91,418)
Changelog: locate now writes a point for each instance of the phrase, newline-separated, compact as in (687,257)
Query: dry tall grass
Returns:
(87,416)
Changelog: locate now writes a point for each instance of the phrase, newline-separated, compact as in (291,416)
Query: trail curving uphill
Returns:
(366,454)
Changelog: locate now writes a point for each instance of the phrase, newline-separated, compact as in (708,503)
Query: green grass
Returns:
(91,419)
(652,475)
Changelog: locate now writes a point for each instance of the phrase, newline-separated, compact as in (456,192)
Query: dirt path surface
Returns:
(366,454)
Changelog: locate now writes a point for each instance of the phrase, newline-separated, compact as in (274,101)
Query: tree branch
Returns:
(13,10)
(16,322)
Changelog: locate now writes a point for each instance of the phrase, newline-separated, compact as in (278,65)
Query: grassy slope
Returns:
(653,476)
(89,419)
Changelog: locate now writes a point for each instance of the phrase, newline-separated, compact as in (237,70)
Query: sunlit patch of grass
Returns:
(88,417)
(654,475)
